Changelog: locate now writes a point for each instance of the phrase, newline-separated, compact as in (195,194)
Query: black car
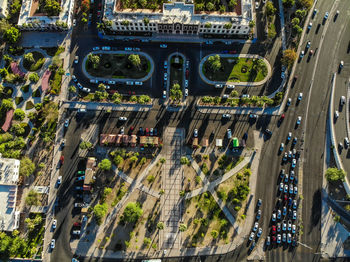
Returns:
(141,131)
(155,132)
(268,132)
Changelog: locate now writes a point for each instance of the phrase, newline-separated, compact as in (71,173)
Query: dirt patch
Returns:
(206,223)
(153,180)
(141,236)
(192,181)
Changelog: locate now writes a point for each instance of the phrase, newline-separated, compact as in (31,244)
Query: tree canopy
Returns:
(214,62)
(335,174)
(27,167)
(52,8)
(135,60)
(105,165)
(12,35)
(289,56)
(132,212)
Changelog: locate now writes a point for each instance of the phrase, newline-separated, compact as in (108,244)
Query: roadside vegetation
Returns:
(234,69)
(33,61)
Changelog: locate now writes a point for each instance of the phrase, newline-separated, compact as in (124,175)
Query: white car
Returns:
(96,48)
(111,82)
(66,123)
(59,180)
(108,87)
(74,78)
(87,90)
(186,92)
(138,83)
(54,224)
(229,133)
(230,86)
(52,244)
(165,76)
(93,81)
(300,96)
(76,232)
(76,59)
(342,100)
(256,5)
(123,118)
(74,22)
(81,110)
(341,64)
(122,130)
(195,133)
(336,114)
(106,48)
(298,120)
(226,116)
(256,225)
(164,94)
(163,46)
(219,86)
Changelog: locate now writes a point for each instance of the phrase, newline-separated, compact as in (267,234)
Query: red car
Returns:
(282,116)
(61,160)
(147,131)
(187,73)
(273,230)
(273,239)
(77,224)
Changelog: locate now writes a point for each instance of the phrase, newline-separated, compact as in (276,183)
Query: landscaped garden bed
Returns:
(206,223)
(176,79)
(103,96)
(234,69)
(33,61)
(233,101)
(121,66)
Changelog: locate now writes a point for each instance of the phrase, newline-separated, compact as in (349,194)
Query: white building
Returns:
(178,18)
(30,21)
(9,173)
(3,8)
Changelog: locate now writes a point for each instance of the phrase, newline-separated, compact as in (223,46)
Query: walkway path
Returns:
(238,110)
(209,186)
(172,184)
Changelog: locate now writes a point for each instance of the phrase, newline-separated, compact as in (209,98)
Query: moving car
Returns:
(308,45)
(295,140)
(300,96)
(342,100)
(259,202)
(123,118)
(289,137)
(165,76)
(186,92)
(195,133)
(298,120)
(281,147)
(346,142)
(219,86)
(59,180)
(76,59)
(53,243)
(164,94)
(106,48)
(309,26)
(230,86)
(229,133)
(165,64)
(186,83)
(111,82)
(341,64)
(74,78)
(326,15)
(289,101)
(93,81)
(258,215)
(96,48)
(268,132)
(138,83)
(302,53)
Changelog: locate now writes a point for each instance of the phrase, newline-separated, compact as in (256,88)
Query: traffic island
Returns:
(118,65)
(251,70)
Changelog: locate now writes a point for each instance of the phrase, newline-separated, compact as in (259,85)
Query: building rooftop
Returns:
(178,12)
(9,173)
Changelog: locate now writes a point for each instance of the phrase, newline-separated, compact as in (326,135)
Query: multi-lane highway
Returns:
(314,77)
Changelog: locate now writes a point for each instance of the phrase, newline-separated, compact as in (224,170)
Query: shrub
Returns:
(198,179)
(334,174)
(19,114)
(150,179)
(105,165)
(214,234)
(100,210)
(184,161)
(132,212)
(25,88)
(18,100)
(147,241)
(182,227)
(160,225)
(33,77)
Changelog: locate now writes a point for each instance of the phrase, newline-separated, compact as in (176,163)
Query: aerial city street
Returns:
(136,130)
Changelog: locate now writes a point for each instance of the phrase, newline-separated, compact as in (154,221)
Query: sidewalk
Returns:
(106,106)
(238,110)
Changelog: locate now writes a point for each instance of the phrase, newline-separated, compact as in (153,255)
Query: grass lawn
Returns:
(206,223)
(118,66)
(235,69)
(37,64)
(36,93)
(29,105)
(18,100)
(55,82)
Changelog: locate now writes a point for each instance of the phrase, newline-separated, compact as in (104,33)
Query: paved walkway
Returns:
(209,186)
(238,110)
(172,180)
(210,82)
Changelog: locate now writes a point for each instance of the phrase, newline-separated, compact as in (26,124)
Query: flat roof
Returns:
(9,173)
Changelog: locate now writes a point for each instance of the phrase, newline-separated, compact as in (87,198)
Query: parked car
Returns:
(96,48)
(164,94)
(268,241)
(259,233)
(186,83)
(128,49)
(123,118)
(111,82)
(186,92)
(66,123)
(74,78)
(281,147)
(76,59)
(326,15)
(53,243)
(278,238)
(163,46)
(165,64)
(138,83)
(229,134)
(59,180)
(54,224)
(219,86)
(81,172)
(255,227)
(93,81)
(130,83)
(165,76)
(252,235)
(226,116)
(258,215)
(106,48)
(195,133)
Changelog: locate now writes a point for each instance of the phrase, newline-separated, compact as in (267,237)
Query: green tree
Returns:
(289,56)
(295,21)
(300,13)
(307,4)
(270,9)
(33,198)
(184,160)
(118,160)
(288,3)
(210,6)
(232,4)
(100,95)
(105,165)
(132,212)
(72,89)
(85,145)
(27,167)
(29,57)
(160,225)
(251,23)
(52,8)
(34,77)
(146,20)
(335,174)
(101,87)
(214,62)
(297,30)
(182,227)
(214,234)
(228,26)
(5,25)
(135,60)
(94,60)
(19,114)
(12,35)
(7,104)
(100,210)
(50,112)
(278,98)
